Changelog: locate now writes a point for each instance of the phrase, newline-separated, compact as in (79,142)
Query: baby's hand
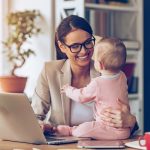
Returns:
(63,89)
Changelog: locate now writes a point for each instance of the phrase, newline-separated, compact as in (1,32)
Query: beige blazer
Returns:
(47,101)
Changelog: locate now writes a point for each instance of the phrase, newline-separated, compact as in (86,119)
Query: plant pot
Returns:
(13,84)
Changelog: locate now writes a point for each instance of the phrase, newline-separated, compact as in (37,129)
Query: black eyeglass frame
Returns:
(81,44)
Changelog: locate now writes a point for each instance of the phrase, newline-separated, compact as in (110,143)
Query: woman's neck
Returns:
(80,76)
(78,71)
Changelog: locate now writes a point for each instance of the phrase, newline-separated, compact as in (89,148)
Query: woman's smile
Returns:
(84,57)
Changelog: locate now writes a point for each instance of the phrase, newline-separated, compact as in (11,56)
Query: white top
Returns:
(81,113)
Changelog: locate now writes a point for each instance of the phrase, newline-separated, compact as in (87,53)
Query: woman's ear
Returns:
(62,47)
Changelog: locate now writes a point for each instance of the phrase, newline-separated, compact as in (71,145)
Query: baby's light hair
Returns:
(112,54)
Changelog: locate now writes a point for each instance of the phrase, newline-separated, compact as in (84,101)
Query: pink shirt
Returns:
(103,91)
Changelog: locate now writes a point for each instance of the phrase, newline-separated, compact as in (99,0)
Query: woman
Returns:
(74,40)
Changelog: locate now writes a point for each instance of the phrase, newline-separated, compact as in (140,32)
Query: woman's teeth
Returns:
(82,57)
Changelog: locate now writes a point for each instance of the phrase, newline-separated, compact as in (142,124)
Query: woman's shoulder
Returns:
(55,63)
(51,67)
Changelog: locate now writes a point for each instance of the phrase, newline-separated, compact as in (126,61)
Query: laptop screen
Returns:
(18,122)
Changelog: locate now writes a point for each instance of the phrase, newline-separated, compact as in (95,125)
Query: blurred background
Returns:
(126,19)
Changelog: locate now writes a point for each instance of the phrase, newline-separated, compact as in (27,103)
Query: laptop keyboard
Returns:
(52,139)
(58,141)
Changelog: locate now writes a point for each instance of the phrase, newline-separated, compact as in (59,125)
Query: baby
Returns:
(110,57)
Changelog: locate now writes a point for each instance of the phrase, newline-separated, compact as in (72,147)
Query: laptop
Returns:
(18,122)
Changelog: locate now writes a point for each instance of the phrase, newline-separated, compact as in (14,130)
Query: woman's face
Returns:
(73,40)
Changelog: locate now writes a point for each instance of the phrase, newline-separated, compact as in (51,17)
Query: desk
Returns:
(7,145)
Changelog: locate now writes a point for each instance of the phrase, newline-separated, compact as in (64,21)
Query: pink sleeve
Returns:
(82,95)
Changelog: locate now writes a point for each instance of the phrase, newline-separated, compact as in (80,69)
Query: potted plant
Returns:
(22,26)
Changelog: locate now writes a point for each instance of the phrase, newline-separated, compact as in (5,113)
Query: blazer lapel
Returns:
(65,78)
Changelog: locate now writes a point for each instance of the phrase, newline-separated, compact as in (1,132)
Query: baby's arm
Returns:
(82,95)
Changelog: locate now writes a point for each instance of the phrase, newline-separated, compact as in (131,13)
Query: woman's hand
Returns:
(47,128)
(118,118)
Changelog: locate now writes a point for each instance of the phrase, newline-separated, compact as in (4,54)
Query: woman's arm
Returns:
(119,118)
(41,97)
(41,103)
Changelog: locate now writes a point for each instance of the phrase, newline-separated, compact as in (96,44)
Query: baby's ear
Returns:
(62,47)
(101,65)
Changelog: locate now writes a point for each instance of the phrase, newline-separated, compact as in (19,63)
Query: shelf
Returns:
(132,53)
(133,96)
(133,45)
(107,7)
(132,56)
(124,21)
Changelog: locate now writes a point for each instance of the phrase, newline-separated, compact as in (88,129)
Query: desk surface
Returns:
(7,145)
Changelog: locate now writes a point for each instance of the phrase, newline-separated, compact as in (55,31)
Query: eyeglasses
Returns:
(76,47)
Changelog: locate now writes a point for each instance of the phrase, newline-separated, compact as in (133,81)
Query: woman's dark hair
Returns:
(65,27)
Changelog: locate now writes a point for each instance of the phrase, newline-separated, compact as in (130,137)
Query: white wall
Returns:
(41,44)
(1,38)
(3,34)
